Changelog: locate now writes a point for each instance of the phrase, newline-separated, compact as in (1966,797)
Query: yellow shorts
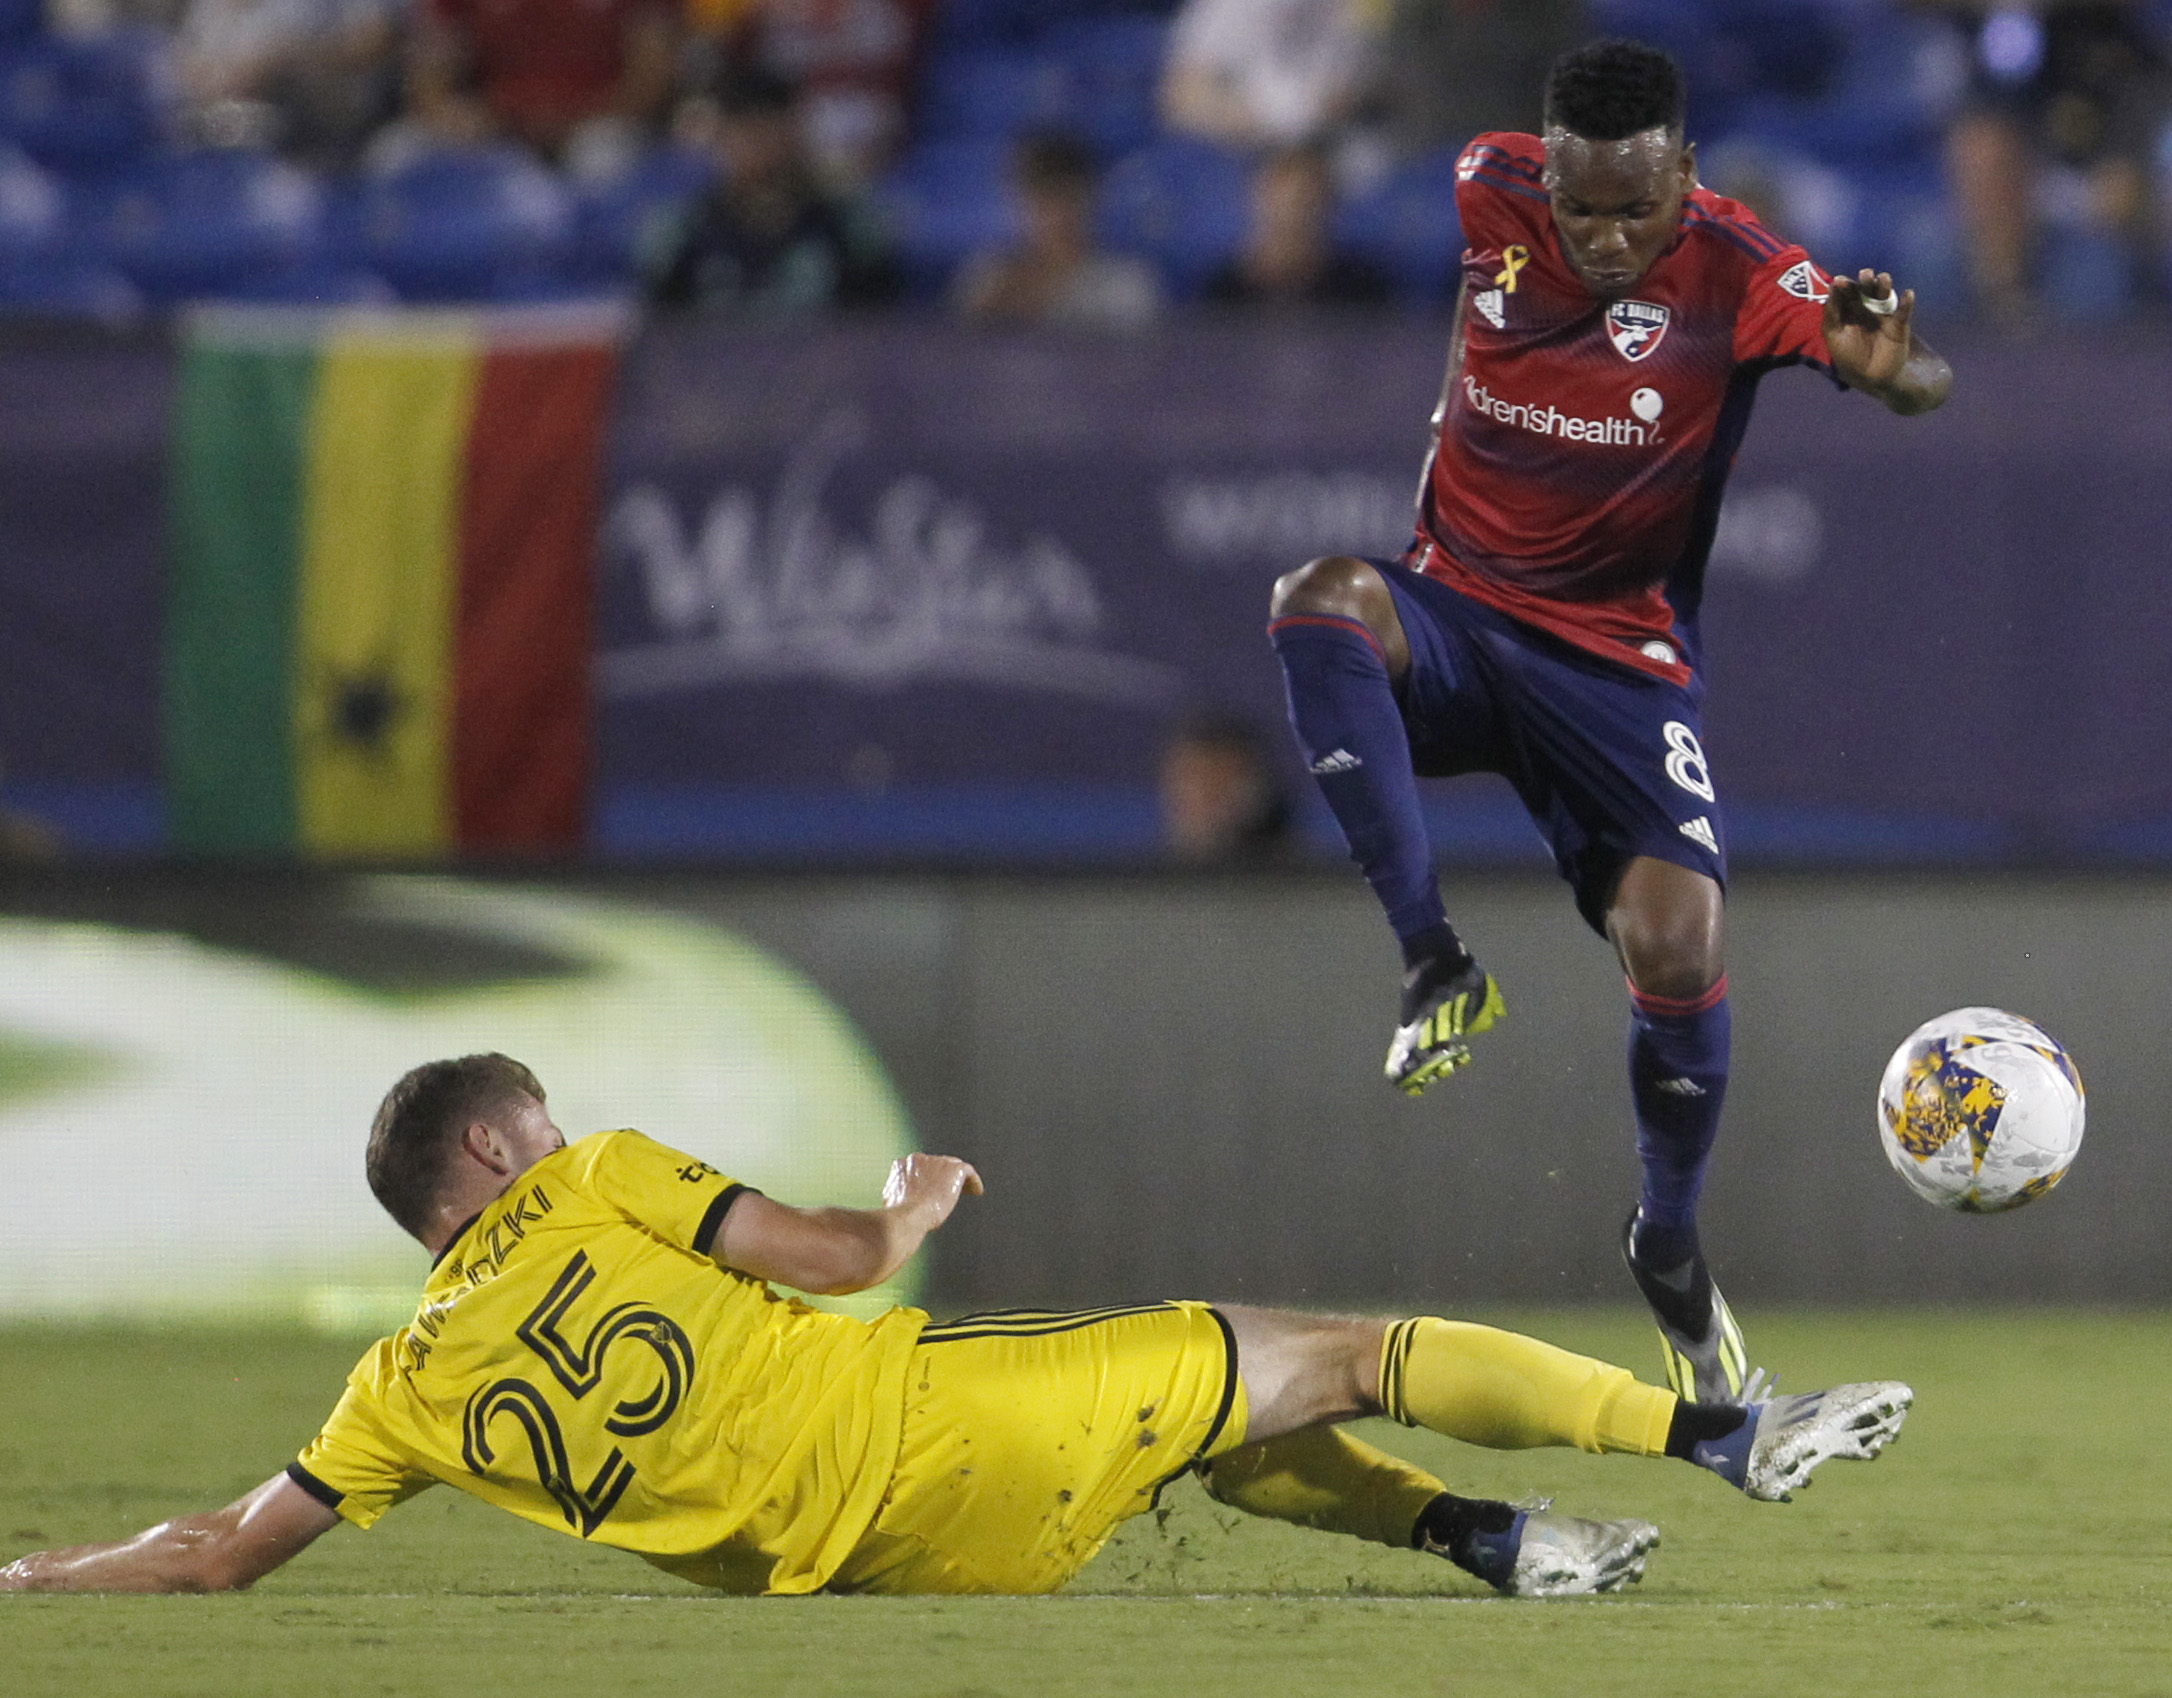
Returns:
(1029,1435)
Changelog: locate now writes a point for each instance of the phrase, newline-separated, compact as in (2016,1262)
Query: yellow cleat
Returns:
(1433,1045)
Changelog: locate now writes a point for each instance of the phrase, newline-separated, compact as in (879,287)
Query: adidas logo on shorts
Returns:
(1341,760)
(1699,830)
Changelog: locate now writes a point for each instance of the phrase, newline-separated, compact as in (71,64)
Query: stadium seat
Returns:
(1179,202)
(611,217)
(1009,23)
(943,202)
(1108,71)
(982,93)
(214,221)
(21,19)
(64,287)
(90,103)
(478,224)
(33,212)
(1407,225)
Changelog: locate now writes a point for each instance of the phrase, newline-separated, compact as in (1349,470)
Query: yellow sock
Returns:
(1508,1392)
(1322,1477)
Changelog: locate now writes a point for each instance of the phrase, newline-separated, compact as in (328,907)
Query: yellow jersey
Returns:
(576,1360)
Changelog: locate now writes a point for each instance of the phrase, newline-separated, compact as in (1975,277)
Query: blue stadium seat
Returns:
(943,202)
(1010,23)
(1179,202)
(66,288)
(318,282)
(33,211)
(1109,74)
(478,224)
(21,19)
(978,93)
(1407,225)
(1886,100)
(207,222)
(612,217)
(90,103)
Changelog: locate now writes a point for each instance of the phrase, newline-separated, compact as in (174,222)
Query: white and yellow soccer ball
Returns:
(1980,1110)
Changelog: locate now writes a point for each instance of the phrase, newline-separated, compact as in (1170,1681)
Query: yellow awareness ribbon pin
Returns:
(1513,260)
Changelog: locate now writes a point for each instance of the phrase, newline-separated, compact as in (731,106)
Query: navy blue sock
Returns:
(1342,708)
(1678,1081)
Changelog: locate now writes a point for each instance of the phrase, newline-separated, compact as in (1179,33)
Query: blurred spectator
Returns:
(853,61)
(769,237)
(311,77)
(1268,73)
(1220,798)
(2064,103)
(583,82)
(1057,275)
(1453,69)
(1289,257)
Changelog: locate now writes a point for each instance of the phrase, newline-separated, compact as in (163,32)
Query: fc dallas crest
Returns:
(1636,327)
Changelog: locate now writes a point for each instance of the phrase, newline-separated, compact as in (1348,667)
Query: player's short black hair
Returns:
(422,1118)
(1607,90)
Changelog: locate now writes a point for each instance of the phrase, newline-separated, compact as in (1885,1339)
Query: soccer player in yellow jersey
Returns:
(598,1349)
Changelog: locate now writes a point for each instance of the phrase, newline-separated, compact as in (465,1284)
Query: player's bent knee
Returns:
(1337,583)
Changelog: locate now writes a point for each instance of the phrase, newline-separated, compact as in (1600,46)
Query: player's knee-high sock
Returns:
(1322,1477)
(1342,707)
(1508,1392)
(1678,1080)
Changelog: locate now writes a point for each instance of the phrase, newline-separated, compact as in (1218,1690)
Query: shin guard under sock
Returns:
(1343,709)
(1322,1477)
(1678,1050)
(1507,1392)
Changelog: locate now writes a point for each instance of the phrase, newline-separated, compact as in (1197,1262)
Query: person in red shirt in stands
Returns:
(556,75)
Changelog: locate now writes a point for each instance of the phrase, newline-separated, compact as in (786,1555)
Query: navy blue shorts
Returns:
(1610,761)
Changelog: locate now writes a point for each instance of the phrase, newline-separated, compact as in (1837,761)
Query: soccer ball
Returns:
(1980,1110)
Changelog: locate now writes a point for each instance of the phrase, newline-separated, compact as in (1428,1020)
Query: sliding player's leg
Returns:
(1502,1390)
(1347,653)
(1326,1479)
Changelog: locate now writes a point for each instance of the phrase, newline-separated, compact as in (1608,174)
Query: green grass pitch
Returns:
(2018,1539)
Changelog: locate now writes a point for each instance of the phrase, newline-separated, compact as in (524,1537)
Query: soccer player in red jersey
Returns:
(1614,321)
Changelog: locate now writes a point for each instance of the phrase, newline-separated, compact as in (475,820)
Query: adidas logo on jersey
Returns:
(1340,760)
(1492,306)
(1699,830)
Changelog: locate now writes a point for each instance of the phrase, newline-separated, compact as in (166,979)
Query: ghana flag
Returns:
(378,633)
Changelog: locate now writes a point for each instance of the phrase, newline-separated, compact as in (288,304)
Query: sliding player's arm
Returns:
(834,1251)
(219,1552)
(1875,349)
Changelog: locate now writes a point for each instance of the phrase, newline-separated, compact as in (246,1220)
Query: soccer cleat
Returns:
(1543,1555)
(1784,1440)
(1429,1044)
(1707,1363)
(1712,1367)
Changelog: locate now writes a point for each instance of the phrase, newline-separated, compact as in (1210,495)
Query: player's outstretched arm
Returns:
(1875,349)
(834,1251)
(219,1552)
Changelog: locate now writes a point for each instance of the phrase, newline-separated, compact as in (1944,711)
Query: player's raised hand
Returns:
(1868,333)
(929,1186)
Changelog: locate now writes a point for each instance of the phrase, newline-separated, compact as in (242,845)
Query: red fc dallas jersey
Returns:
(1576,476)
